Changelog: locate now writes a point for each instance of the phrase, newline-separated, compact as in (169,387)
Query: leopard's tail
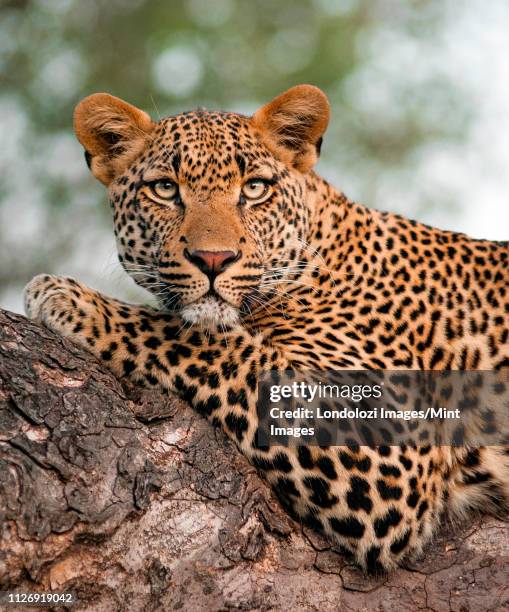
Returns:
(479,481)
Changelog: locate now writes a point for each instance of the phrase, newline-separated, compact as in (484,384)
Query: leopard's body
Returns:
(313,281)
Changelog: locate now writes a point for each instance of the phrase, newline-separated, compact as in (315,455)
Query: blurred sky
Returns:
(419,93)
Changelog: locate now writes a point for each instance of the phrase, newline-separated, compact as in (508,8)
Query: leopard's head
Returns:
(209,207)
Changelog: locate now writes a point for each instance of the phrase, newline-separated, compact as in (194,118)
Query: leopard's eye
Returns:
(165,190)
(256,190)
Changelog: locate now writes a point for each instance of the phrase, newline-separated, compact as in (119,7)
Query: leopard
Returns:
(257,264)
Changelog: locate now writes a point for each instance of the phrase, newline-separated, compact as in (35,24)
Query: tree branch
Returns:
(133,501)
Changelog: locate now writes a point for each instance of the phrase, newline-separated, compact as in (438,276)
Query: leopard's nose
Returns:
(212,263)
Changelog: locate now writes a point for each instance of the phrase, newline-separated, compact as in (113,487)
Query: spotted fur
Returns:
(316,282)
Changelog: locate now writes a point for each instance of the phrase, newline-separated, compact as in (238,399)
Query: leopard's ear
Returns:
(292,125)
(112,132)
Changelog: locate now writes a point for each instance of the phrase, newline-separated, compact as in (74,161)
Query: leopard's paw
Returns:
(73,310)
(49,298)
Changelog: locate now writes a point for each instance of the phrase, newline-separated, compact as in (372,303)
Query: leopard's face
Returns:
(206,216)
(210,209)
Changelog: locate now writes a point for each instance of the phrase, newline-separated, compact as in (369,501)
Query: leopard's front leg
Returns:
(216,373)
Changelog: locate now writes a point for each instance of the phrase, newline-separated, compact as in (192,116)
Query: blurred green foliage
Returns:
(378,60)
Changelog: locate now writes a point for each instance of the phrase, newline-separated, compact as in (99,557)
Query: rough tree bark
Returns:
(134,502)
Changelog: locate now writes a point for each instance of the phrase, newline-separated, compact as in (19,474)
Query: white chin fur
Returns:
(209,311)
